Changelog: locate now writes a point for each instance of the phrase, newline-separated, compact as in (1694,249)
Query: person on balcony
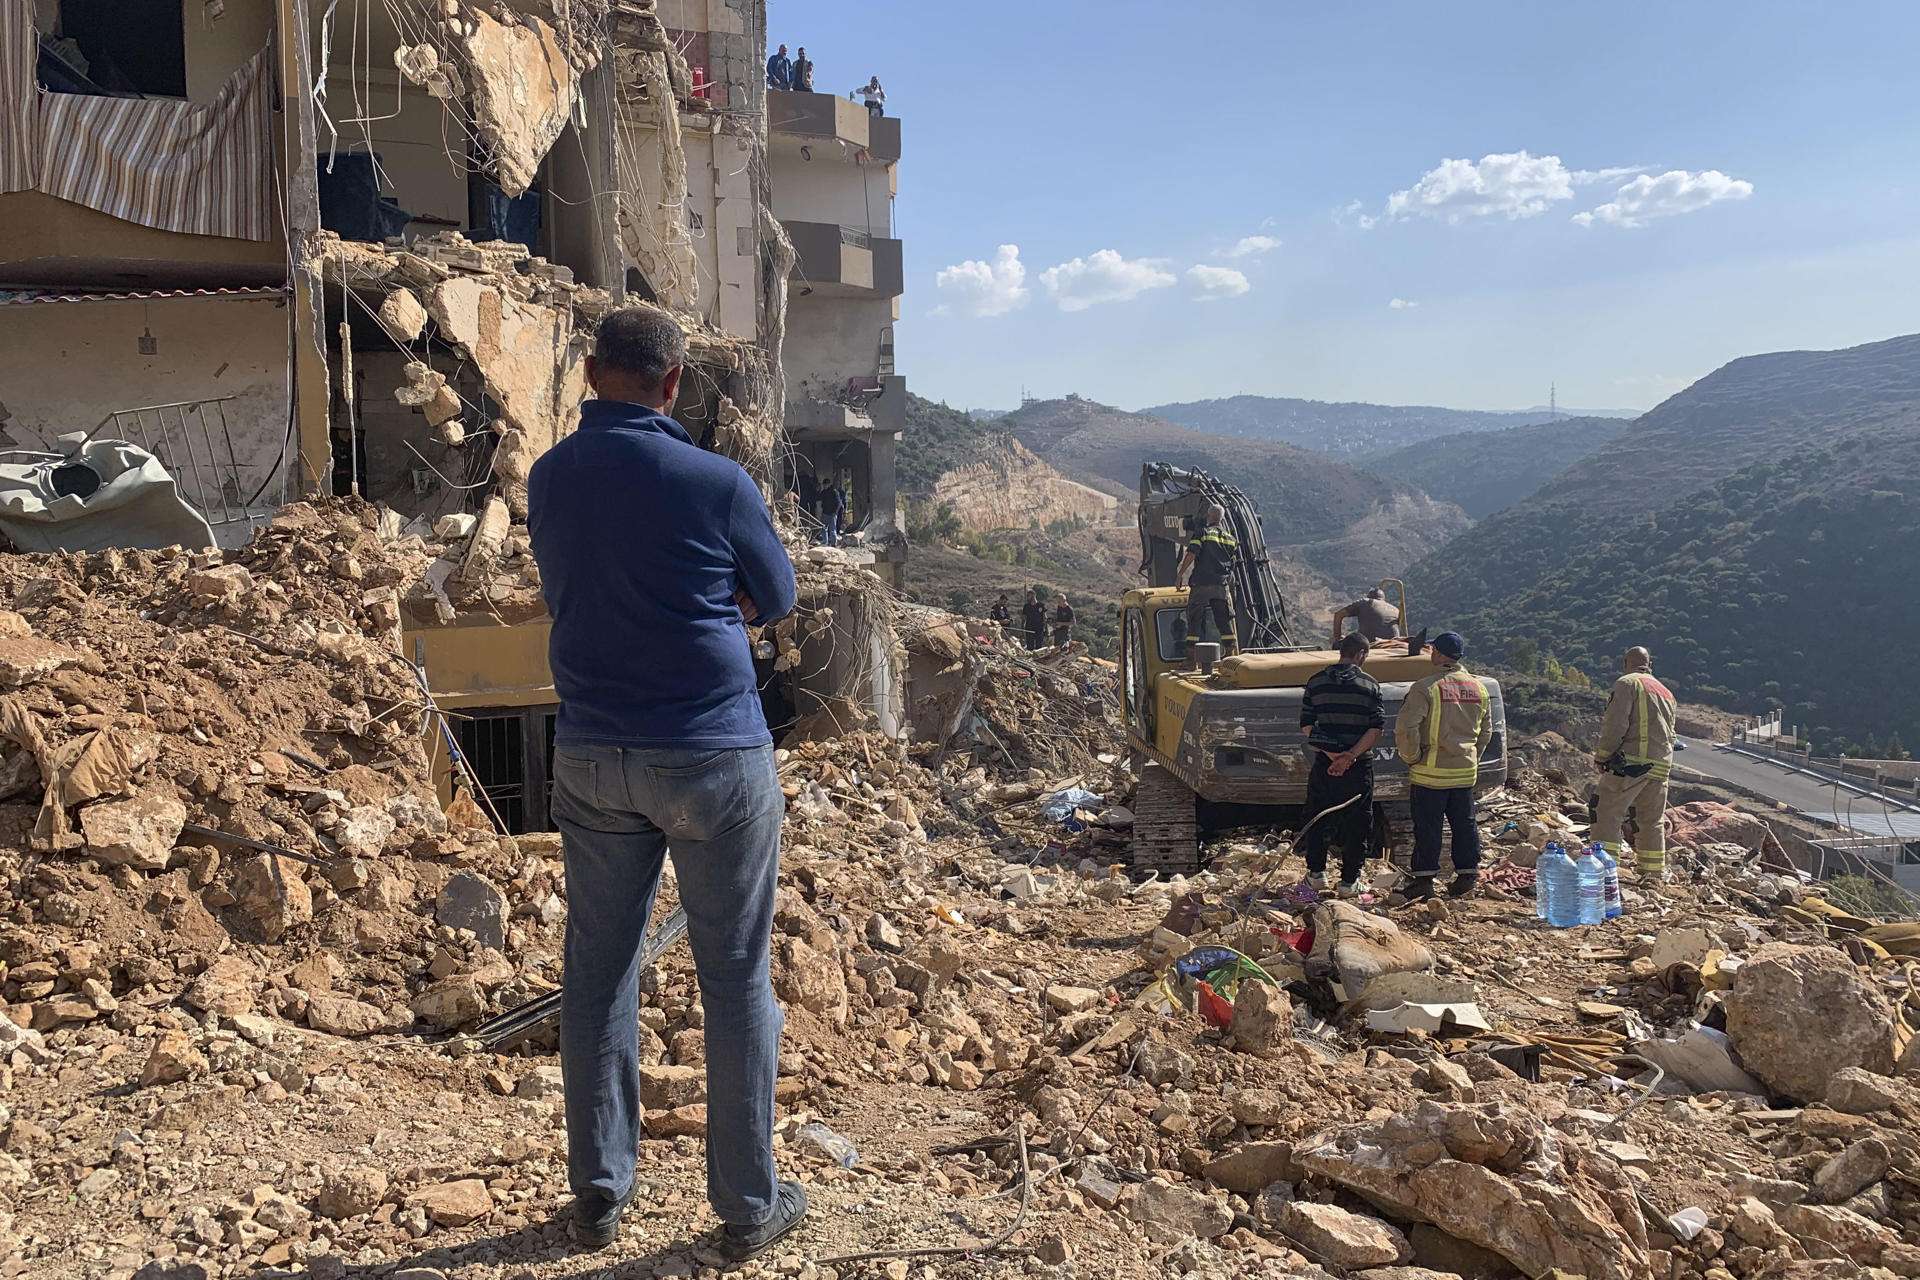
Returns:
(780,70)
(803,72)
(873,95)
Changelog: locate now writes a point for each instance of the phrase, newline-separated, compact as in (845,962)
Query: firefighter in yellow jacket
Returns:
(1445,722)
(1635,755)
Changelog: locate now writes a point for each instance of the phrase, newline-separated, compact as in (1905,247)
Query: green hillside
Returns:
(1482,472)
(936,440)
(1747,411)
(1785,585)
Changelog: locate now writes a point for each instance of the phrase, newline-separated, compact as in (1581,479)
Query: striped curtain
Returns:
(205,169)
(19,121)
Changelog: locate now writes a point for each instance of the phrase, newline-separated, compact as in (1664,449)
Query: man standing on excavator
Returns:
(1206,570)
(1635,755)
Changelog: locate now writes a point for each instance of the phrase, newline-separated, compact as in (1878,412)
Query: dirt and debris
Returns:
(251,1053)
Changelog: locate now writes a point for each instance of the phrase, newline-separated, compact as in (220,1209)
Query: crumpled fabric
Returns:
(99,764)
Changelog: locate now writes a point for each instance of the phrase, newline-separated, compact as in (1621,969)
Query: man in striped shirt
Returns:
(1343,714)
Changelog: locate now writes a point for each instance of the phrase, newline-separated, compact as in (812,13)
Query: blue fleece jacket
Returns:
(642,538)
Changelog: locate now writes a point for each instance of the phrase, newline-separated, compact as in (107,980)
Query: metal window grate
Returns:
(493,745)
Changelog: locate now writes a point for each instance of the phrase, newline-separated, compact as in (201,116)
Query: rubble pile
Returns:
(221,795)
(262,1051)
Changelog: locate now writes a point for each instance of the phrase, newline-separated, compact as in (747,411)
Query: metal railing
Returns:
(193,441)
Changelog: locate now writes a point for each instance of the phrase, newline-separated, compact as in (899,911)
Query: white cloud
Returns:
(1210,284)
(975,288)
(1402,304)
(1645,198)
(1104,276)
(1514,183)
(1251,247)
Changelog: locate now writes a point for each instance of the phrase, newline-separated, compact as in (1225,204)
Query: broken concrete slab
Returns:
(1796,1015)
(137,832)
(1343,1238)
(1496,1178)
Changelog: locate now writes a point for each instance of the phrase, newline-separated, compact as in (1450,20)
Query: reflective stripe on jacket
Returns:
(1638,725)
(1445,721)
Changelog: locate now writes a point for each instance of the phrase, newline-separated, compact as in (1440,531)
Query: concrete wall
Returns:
(832,339)
(720,217)
(832,188)
(413,144)
(65,366)
(726,38)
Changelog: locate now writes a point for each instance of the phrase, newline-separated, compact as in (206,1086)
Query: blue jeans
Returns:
(716,812)
(830,530)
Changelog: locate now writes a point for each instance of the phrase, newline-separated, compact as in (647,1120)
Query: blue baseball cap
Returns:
(1450,644)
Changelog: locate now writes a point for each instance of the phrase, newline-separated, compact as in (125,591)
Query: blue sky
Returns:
(1747,171)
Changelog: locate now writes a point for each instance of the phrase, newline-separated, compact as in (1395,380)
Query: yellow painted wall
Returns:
(486,665)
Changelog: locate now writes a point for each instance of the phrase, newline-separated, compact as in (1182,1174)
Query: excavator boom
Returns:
(1173,501)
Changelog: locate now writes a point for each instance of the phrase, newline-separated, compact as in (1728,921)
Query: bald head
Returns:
(1216,513)
(1637,659)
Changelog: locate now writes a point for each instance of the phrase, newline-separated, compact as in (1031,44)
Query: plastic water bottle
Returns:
(1543,883)
(1615,908)
(1592,888)
(1563,888)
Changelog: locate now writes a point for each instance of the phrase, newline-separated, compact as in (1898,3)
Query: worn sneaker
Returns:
(1318,882)
(1463,884)
(595,1220)
(1351,888)
(738,1244)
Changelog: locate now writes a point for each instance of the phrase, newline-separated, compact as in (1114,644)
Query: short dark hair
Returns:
(642,341)
(1353,644)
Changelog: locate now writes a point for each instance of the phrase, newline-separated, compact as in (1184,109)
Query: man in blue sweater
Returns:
(655,556)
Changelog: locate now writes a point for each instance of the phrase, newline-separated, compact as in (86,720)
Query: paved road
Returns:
(1799,791)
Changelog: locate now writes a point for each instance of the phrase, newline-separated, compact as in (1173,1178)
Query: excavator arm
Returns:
(1173,501)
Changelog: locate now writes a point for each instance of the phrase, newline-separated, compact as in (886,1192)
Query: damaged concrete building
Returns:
(298,247)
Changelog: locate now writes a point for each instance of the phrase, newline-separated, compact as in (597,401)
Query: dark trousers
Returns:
(1453,806)
(1061,635)
(1036,639)
(1351,828)
(1199,601)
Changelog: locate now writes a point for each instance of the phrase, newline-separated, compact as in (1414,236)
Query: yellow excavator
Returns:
(1215,728)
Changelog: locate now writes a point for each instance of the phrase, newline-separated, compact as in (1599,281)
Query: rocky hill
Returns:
(1345,430)
(1007,487)
(1346,524)
(1741,529)
(1482,472)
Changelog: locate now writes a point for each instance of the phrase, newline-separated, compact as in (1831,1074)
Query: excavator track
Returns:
(1165,834)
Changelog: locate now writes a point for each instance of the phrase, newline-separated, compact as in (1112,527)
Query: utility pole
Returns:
(1553,402)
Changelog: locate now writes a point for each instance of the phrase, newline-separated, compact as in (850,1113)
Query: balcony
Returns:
(819,116)
(837,261)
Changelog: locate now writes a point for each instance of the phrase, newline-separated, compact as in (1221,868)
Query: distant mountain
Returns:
(1350,526)
(1743,528)
(1482,472)
(1341,429)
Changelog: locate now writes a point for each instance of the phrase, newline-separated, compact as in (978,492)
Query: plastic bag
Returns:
(1059,806)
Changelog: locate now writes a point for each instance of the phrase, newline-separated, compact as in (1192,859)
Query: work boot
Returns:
(738,1244)
(1419,889)
(594,1222)
(1463,884)
(1318,882)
